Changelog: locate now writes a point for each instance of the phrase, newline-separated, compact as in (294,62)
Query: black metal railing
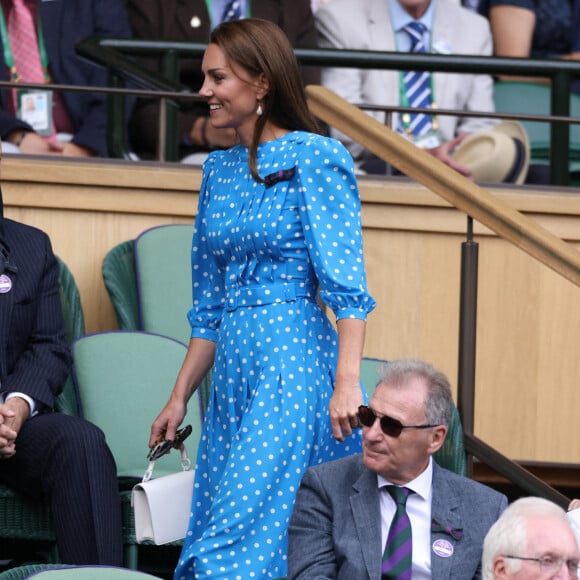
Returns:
(118,54)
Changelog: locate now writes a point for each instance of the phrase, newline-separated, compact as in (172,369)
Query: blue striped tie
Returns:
(398,555)
(418,84)
(232,11)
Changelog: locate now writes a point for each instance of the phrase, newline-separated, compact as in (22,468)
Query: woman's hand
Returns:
(343,409)
(168,421)
(348,396)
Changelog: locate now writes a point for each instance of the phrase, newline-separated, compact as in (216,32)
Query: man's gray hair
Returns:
(508,535)
(439,401)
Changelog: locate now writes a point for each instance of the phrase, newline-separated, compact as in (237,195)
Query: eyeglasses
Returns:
(389,426)
(167,445)
(552,564)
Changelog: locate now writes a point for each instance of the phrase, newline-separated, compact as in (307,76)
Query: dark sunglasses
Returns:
(389,426)
(167,445)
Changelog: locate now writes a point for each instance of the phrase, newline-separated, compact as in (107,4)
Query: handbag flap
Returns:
(162,507)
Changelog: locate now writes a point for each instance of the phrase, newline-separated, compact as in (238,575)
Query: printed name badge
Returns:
(443,548)
(428,141)
(5,284)
(35,108)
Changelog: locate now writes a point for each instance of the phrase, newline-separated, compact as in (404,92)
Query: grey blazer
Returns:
(366,25)
(335,529)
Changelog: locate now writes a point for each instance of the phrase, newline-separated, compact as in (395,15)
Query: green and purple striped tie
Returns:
(397,557)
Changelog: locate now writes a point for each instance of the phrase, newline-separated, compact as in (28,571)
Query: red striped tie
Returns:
(25,49)
(24,43)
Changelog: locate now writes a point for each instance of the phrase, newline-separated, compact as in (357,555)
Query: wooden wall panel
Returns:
(528,342)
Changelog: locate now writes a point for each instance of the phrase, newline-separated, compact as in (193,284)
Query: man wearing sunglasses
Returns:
(392,512)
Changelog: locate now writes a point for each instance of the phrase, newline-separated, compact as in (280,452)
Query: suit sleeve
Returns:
(480,97)
(152,20)
(38,352)
(110,19)
(311,552)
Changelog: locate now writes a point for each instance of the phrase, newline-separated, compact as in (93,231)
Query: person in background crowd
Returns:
(38,46)
(393,510)
(278,225)
(44,454)
(537,29)
(479,6)
(438,26)
(574,518)
(192,21)
(531,539)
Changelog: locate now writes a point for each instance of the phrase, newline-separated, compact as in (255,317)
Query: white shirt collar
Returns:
(421,485)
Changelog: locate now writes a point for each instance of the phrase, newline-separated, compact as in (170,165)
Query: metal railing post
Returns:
(467,334)
(170,70)
(116,119)
(560,132)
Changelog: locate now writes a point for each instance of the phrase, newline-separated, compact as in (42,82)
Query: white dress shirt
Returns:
(419,511)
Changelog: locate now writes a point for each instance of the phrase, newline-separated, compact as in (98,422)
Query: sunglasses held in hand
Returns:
(167,445)
(389,426)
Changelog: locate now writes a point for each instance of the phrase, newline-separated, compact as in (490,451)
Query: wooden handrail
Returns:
(464,194)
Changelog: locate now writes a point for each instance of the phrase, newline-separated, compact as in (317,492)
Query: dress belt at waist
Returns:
(261,295)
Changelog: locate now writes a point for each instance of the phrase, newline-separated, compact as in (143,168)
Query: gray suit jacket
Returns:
(366,25)
(335,530)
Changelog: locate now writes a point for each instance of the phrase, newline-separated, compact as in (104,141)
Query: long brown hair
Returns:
(261,47)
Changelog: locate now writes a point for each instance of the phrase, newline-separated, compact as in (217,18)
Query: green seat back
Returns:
(119,278)
(124,379)
(159,300)
(528,98)
(163,271)
(69,572)
(452,454)
(74,320)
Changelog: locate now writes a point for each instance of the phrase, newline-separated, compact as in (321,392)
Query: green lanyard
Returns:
(404,101)
(9,58)
(209,5)
(406,117)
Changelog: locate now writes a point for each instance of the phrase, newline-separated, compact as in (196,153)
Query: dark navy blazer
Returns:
(64,23)
(34,354)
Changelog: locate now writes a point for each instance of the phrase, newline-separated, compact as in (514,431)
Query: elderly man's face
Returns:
(400,459)
(551,549)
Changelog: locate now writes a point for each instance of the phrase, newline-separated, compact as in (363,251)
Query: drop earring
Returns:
(259,110)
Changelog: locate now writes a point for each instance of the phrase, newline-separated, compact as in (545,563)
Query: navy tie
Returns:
(417,86)
(232,11)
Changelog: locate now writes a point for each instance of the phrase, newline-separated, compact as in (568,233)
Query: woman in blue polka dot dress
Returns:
(278,223)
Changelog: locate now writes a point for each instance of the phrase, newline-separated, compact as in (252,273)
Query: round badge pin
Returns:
(195,22)
(5,284)
(443,548)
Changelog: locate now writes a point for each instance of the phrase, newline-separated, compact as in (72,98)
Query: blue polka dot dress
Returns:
(260,254)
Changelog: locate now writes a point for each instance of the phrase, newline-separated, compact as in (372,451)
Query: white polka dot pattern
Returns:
(259,254)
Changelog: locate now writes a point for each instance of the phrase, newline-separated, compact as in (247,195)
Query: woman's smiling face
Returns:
(232,93)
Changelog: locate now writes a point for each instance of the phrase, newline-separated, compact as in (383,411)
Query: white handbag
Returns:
(162,505)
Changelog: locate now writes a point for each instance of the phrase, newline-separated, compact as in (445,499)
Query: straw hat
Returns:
(501,155)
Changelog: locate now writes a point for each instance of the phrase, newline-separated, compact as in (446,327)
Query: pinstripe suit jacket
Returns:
(34,354)
(366,25)
(335,530)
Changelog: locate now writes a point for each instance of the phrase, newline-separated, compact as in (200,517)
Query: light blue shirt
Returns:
(400,18)
(218,7)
